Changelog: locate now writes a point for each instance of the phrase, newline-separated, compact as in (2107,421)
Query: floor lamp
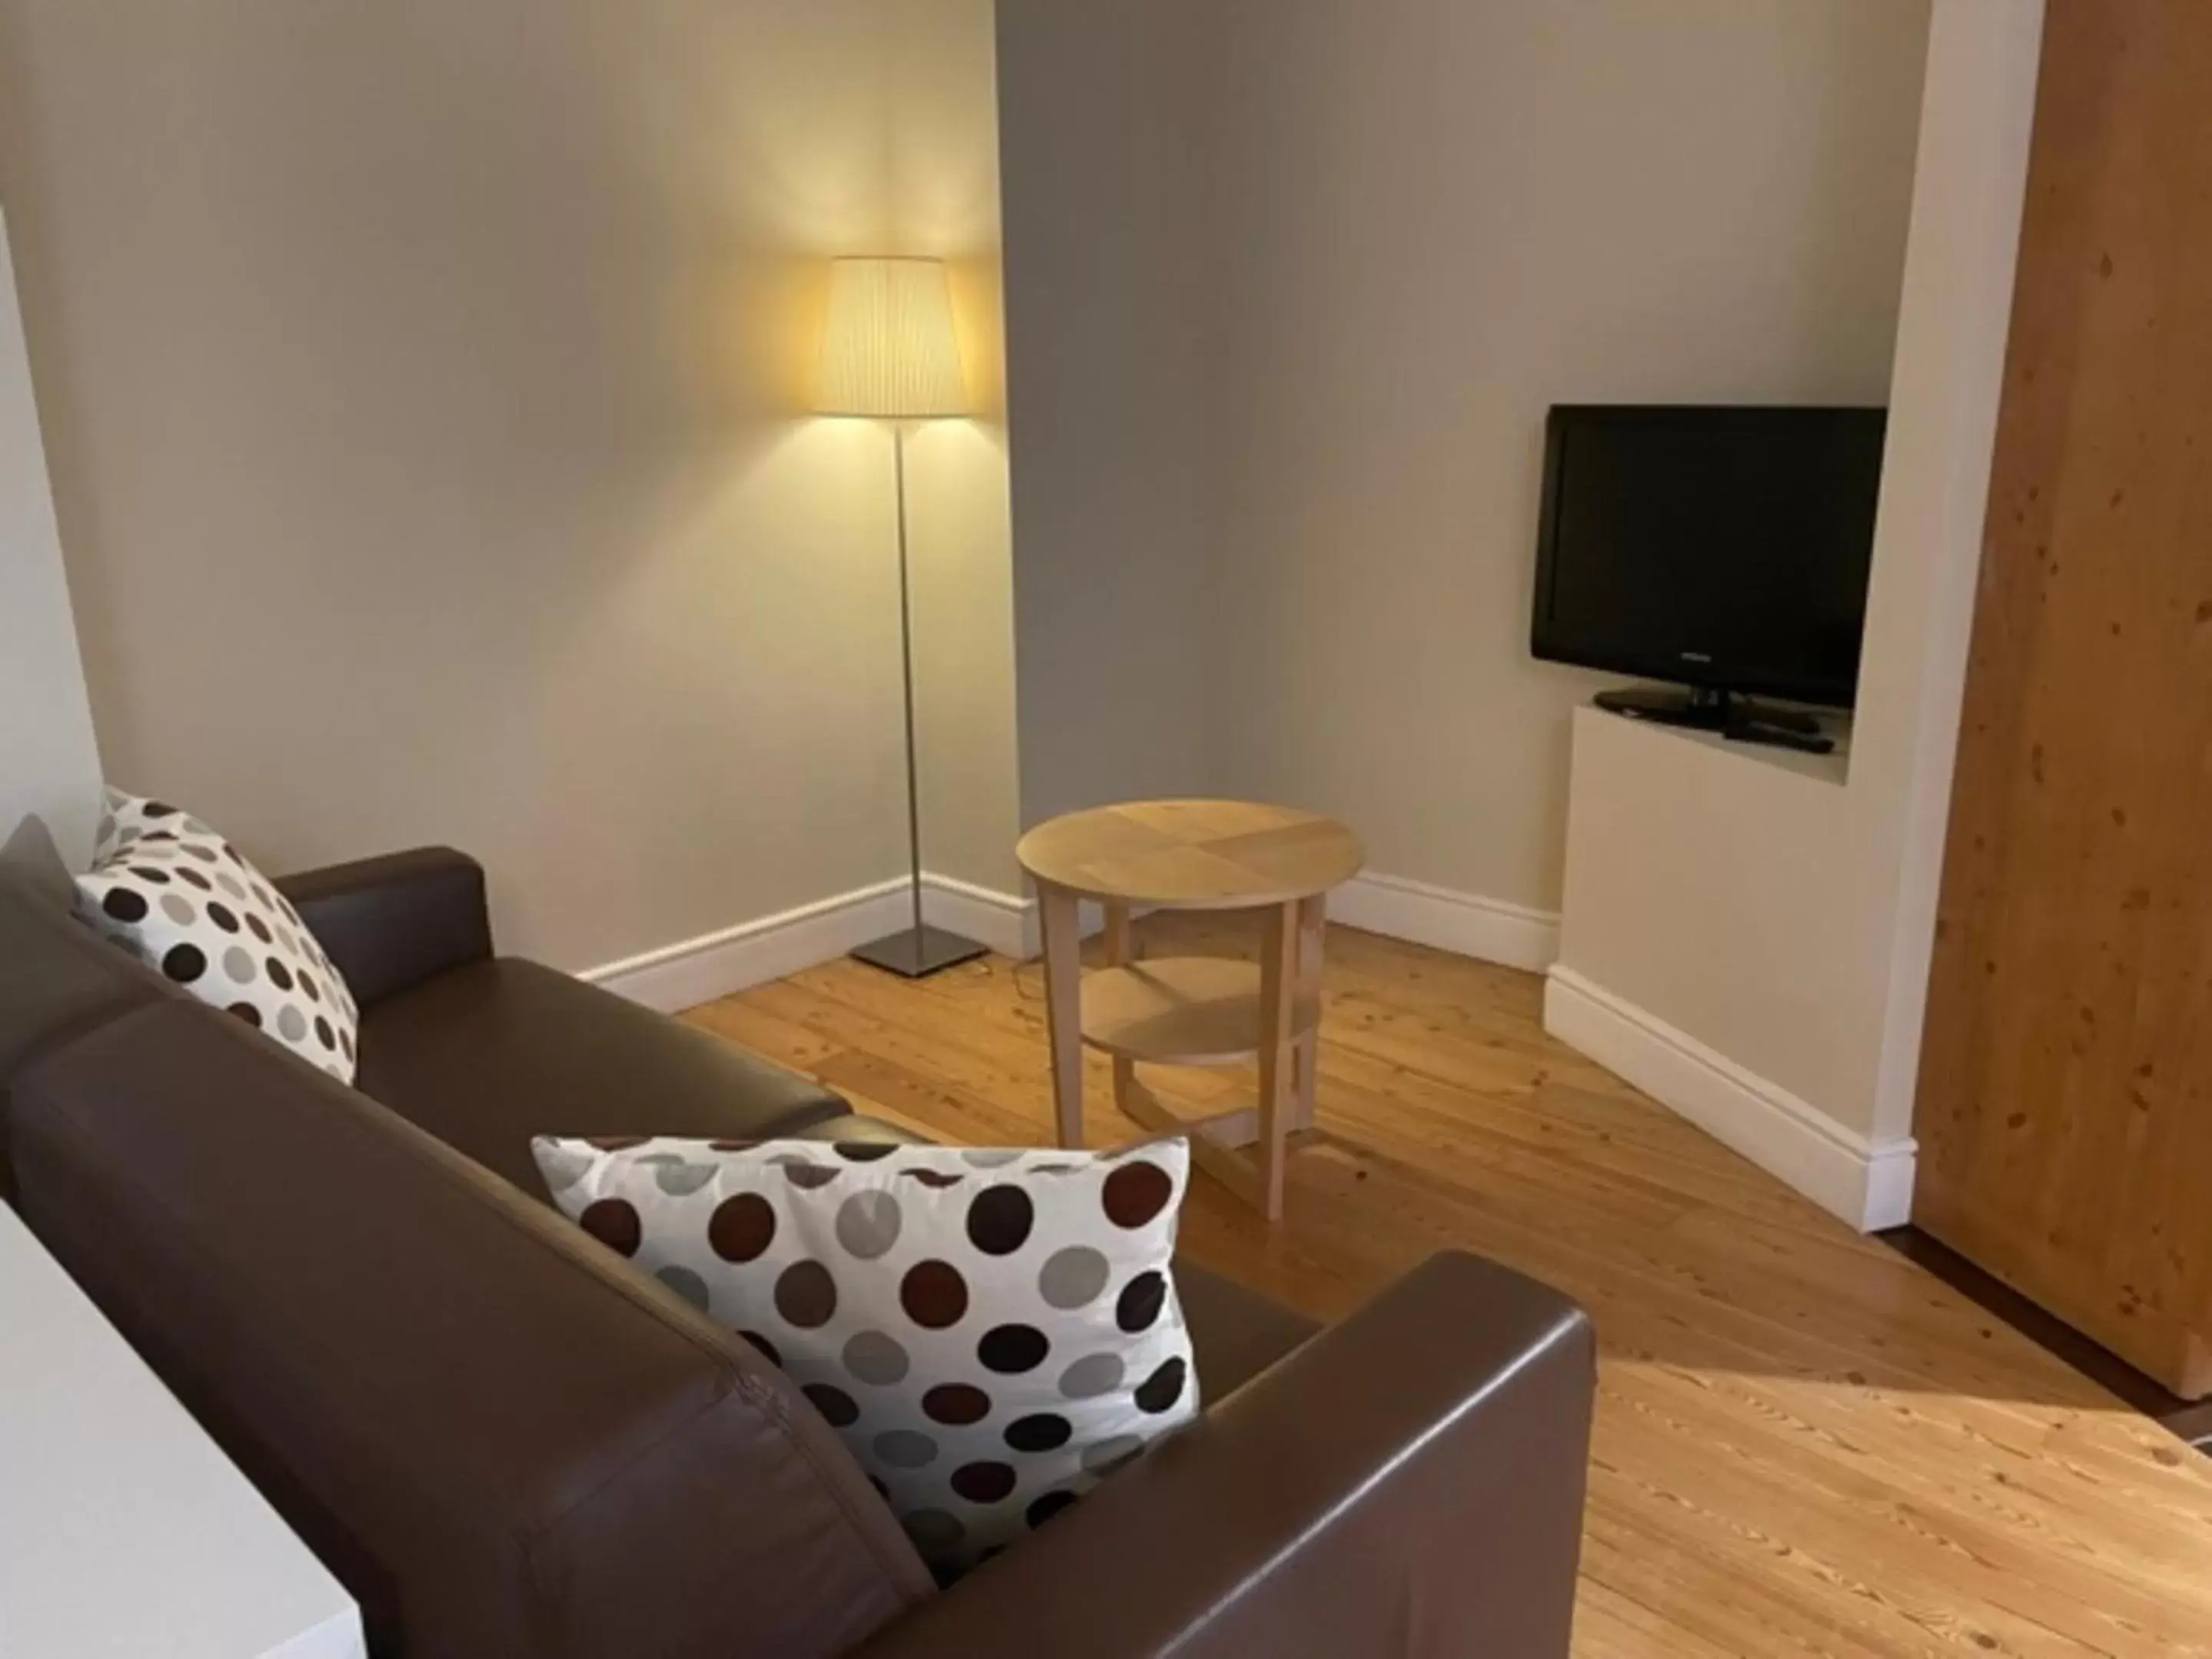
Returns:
(890,352)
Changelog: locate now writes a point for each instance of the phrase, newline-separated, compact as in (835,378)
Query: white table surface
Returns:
(124,1532)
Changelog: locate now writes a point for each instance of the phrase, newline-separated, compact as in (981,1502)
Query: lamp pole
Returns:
(891,351)
(920,950)
(906,657)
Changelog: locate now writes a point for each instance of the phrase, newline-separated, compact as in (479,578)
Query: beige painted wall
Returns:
(1785,921)
(423,386)
(48,763)
(1441,217)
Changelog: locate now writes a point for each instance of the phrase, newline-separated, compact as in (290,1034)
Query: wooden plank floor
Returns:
(1805,1444)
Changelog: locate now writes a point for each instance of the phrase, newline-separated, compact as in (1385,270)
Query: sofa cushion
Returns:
(31,862)
(867,1131)
(1234,1333)
(992,1330)
(58,979)
(168,889)
(486,1056)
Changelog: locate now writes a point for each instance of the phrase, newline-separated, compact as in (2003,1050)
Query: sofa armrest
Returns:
(391,923)
(1409,1483)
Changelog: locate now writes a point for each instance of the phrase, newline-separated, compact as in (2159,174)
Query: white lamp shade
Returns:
(890,350)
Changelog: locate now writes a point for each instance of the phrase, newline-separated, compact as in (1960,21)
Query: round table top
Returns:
(1193,854)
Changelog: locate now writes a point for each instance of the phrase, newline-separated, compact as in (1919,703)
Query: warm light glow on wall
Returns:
(890,350)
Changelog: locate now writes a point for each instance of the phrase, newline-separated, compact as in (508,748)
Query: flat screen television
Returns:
(1722,548)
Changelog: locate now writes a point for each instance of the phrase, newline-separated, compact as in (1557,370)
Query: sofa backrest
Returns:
(498,1436)
(58,978)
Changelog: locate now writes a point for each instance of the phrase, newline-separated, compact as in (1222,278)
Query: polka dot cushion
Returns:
(171,891)
(992,1332)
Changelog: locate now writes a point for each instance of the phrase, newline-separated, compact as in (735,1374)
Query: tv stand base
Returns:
(1733,717)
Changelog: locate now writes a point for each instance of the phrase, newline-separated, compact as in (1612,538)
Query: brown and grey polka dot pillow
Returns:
(992,1332)
(173,892)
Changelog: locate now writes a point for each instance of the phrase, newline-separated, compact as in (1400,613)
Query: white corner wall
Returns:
(1291,285)
(48,762)
(1745,938)
(1105,114)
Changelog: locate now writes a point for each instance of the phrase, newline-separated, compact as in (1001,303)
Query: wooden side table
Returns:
(1192,1011)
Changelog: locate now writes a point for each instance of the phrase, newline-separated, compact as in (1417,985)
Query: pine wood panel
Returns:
(2065,1116)
(1805,1444)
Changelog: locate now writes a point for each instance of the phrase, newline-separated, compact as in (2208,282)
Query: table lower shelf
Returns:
(1182,1010)
(1219,1141)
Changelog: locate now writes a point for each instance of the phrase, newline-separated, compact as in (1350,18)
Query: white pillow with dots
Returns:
(178,896)
(992,1332)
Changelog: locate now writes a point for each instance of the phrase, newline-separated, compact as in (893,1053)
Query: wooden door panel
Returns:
(2065,1107)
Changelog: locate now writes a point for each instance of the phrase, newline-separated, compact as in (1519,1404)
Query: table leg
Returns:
(1279,979)
(1119,935)
(1058,920)
(1120,951)
(1312,935)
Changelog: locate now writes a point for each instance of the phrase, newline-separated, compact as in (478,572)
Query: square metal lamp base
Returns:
(916,954)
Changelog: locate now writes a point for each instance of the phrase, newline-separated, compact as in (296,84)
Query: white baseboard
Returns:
(1490,929)
(1468,926)
(1007,924)
(1868,1185)
(695,971)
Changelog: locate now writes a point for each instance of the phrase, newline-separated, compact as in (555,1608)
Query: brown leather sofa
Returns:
(507,1443)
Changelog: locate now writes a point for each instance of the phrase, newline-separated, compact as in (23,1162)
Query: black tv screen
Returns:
(1721,548)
